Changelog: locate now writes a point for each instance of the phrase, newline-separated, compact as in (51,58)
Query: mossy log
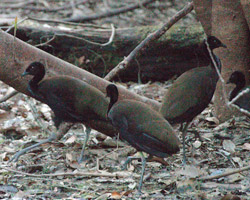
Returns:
(177,51)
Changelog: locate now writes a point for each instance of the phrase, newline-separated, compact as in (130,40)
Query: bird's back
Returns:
(144,128)
(189,95)
(72,99)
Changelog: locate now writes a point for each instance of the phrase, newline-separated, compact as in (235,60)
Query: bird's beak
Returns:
(25,74)
(223,45)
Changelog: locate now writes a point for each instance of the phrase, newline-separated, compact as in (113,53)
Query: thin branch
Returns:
(17,5)
(63,22)
(109,13)
(8,96)
(47,42)
(239,95)
(31,103)
(151,37)
(19,22)
(240,109)
(218,72)
(86,173)
(90,42)
(34,8)
(224,174)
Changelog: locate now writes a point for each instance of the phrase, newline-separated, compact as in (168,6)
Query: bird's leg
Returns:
(63,129)
(181,127)
(129,159)
(15,158)
(88,130)
(143,162)
(183,142)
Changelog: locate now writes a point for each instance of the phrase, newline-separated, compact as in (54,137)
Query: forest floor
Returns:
(224,147)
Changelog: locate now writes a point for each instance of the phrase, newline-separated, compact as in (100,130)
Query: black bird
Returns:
(71,100)
(143,128)
(238,78)
(191,93)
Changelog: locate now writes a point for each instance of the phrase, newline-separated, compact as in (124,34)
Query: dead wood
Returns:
(122,66)
(175,52)
(109,13)
(11,69)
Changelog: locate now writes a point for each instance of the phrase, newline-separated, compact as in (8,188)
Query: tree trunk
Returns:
(228,23)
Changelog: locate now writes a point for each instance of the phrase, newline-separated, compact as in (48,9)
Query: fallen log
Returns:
(174,53)
(15,55)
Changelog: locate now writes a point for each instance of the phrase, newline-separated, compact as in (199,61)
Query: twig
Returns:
(34,112)
(19,22)
(63,22)
(225,174)
(218,72)
(238,96)
(153,36)
(33,8)
(228,103)
(240,109)
(90,42)
(109,13)
(93,174)
(8,96)
(107,154)
(16,5)
(47,42)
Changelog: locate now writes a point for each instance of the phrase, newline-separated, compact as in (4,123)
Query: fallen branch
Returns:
(238,96)
(109,13)
(86,173)
(34,8)
(224,174)
(122,66)
(11,70)
(8,96)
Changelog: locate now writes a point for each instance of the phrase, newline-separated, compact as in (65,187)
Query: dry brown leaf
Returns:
(71,140)
(69,157)
(213,119)
(19,195)
(246,146)
(116,195)
(229,146)
(230,197)
(4,157)
(74,164)
(190,171)
(81,60)
(238,161)
(197,144)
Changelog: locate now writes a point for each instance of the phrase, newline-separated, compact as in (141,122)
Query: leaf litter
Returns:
(223,147)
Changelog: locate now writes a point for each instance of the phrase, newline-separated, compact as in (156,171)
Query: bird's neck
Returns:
(237,89)
(113,100)
(33,83)
(215,58)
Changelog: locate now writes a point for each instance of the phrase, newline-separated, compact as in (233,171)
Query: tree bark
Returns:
(228,23)
(11,70)
(246,8)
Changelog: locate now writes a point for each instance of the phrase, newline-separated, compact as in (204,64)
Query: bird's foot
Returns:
(129,159)
(81,159)
(17,155)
